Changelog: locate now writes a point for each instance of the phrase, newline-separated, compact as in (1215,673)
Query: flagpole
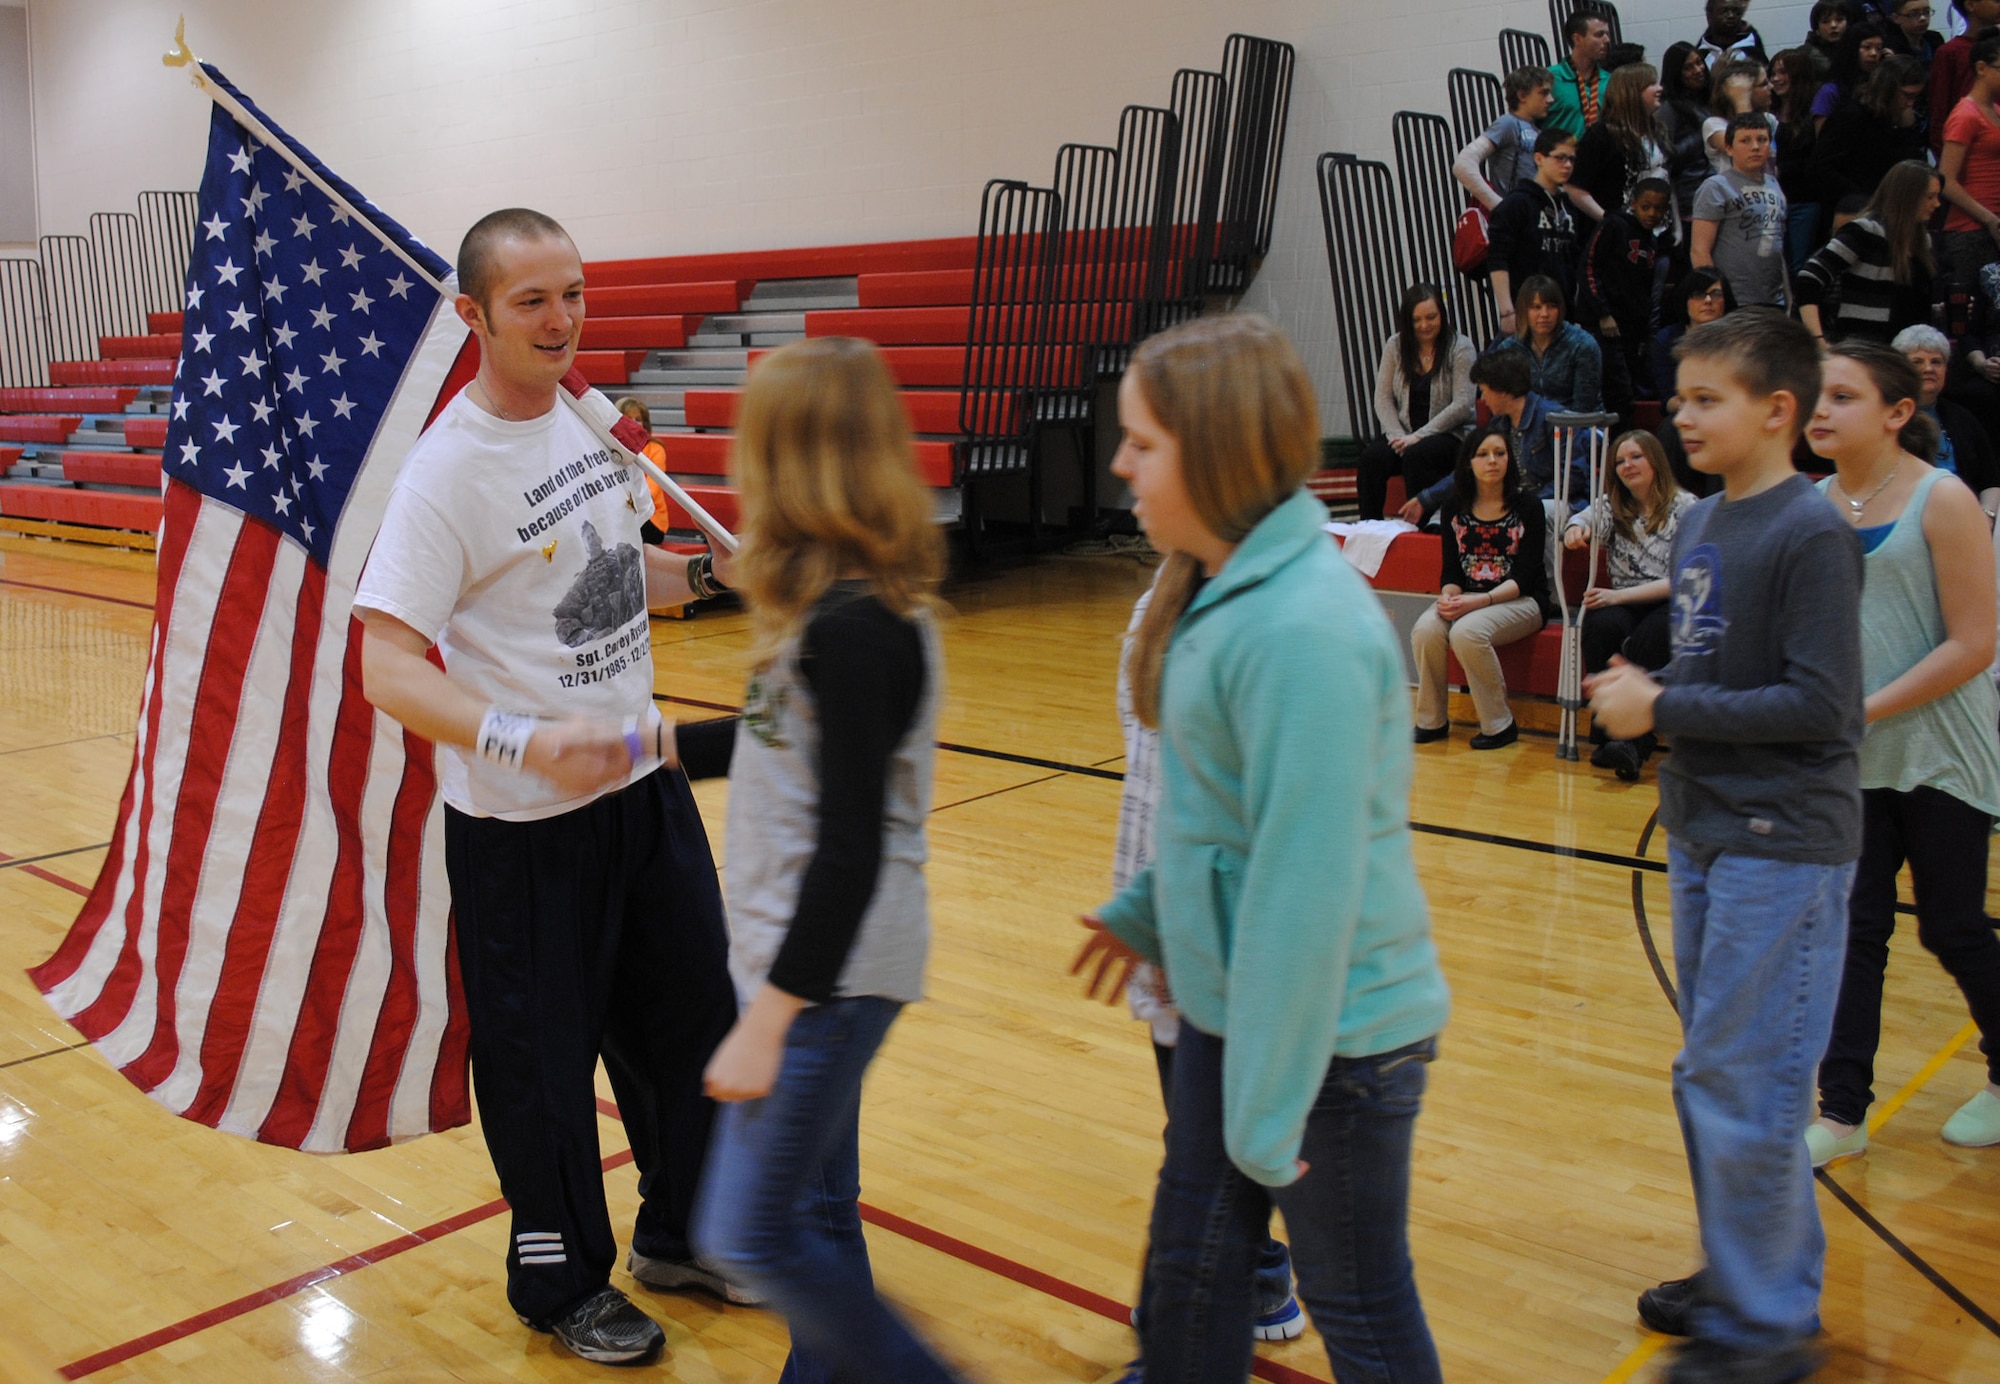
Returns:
(180,55)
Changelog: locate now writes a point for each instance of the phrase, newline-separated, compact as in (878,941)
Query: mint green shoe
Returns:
(1825,1148)
(1976,1124)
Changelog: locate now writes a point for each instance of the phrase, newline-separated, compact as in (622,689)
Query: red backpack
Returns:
(1468,242)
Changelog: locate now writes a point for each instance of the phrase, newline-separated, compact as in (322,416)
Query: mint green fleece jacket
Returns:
(1282,900)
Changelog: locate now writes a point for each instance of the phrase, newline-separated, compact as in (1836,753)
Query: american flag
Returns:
(267,949)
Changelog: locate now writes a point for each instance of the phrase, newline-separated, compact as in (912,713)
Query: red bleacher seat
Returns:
(923,288)
(707,454)
(60,400)
(813,262)
(38,427)
(112,468)
(893,326)
(719,500)
(64,505)
(165,323)
(8,456)
(164,346)
(146,432)
(933,412)
(651,333)
(99,372)
(662,299)
(609,367)
(917,367)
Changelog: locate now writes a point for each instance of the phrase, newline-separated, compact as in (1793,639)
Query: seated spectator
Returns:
(1580,79)
(1565,365)
(1423,399)
(1878,266)
(1506,151)
(1505,389)
(1627,145)
(654,530)
(1634,521)
(1859,55)
(1870,135)
(1729,35)
(1701,296)
(1971,168)
(1619,272)
(1739,219)
(1796,74)
(1964,447)
(1683,106)
(1492,590)
(1736,88)
(1533,230)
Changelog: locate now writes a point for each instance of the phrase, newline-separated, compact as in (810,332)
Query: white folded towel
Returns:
(1366,542)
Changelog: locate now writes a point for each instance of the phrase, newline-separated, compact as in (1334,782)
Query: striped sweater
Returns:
(1853,270)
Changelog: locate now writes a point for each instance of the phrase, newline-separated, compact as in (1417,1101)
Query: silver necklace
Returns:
(1855,506)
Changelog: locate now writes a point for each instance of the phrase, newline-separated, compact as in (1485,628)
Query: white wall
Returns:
(681,126)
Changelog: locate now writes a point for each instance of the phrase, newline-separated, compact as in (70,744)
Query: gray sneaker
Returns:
(688,1273)
(606,1329)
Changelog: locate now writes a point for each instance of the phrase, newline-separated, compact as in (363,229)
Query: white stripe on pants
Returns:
(1473,637)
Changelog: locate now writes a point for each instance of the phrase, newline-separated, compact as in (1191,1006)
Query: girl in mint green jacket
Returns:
(1282,902)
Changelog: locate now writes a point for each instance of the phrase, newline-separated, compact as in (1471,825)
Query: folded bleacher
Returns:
(997,340)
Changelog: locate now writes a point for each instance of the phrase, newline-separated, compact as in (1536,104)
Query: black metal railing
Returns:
(1200,101)
(117,250)
(1476,102)
(1259,74)
(1520,48)
(1006,344)
(1364,250)
(69,297)
(1083,294)
(1149,153)
(166,221)
(24,349)
(1431,201)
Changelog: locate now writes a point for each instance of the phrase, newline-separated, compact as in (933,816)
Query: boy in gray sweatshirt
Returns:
(1762,801)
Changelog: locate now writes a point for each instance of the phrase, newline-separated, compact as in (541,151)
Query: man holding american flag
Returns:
(588,915)
(270,948)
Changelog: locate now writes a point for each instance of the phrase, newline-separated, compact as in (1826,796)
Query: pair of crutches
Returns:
(1596,431)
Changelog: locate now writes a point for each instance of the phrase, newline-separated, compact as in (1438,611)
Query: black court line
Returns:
(38,1056)
(1840,1194)
(1909,1256)
(58,744)
(10,864)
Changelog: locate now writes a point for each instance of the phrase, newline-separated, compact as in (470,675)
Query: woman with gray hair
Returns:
(1963,447)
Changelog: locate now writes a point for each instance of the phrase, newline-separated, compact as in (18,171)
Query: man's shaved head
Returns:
(476,251)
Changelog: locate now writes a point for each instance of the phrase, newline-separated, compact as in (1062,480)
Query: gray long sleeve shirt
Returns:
(1763,696)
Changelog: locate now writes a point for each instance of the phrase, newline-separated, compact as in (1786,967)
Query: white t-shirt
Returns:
(514,547)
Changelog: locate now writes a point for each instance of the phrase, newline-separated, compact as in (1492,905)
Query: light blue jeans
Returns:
(779,1207)
(1759,946)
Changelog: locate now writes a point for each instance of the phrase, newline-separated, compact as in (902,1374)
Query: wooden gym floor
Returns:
(1012,1128)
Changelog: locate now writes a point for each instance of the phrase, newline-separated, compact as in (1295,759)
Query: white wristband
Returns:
(503,738)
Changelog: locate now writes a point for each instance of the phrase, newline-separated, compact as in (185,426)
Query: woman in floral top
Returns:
(1635,518)
(1492,592)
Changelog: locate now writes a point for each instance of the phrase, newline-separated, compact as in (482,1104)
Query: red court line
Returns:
(39,873)
(277,1292)
(1016,1272)
(71,591)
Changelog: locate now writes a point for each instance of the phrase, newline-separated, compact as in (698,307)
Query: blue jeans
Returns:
(1759,945)
(779,1209)
(1801,235)
(1347,1219)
